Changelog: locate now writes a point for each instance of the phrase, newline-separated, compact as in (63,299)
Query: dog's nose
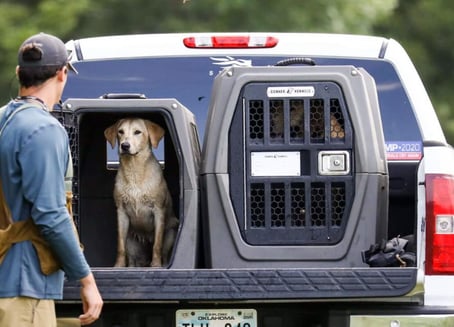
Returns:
(125,146)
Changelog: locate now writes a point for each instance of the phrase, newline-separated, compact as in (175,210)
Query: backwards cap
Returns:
(50,49)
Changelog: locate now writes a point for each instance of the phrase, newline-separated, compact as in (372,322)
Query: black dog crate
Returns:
(95,167)
(294,170)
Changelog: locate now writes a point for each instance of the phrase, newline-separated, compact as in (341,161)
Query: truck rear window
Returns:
(189,79)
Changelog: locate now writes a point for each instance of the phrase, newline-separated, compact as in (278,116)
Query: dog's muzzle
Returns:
(125,147)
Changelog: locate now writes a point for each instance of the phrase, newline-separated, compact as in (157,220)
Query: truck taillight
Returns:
(440,224)
(233,42)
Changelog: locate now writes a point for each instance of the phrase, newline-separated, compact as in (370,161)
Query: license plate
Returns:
(217,318)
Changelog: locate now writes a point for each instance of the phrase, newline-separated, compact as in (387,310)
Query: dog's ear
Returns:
(155,133)
(110,133)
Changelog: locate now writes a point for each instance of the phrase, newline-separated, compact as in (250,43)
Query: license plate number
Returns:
(217,318)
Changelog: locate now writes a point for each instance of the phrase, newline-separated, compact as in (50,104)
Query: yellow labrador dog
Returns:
(147,225)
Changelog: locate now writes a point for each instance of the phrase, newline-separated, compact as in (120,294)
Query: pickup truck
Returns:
(311,176)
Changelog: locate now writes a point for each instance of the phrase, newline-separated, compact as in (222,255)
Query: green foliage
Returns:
(144,16)
(20,19)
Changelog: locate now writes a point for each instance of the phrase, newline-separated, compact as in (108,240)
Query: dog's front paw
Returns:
(156,264)
(121,262)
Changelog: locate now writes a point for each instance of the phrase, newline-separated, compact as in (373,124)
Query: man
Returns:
(34,154)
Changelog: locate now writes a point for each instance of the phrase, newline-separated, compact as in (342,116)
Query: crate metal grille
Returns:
(68,120)
(282,206)
(306,208)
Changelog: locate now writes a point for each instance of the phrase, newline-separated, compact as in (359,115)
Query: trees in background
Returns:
(136,16)
(22,18)
(422,26)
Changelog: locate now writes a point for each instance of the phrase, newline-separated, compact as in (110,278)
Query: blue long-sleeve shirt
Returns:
(34,155)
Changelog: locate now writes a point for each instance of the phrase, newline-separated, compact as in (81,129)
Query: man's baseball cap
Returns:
(50,51)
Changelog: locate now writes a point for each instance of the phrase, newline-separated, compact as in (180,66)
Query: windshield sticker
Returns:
(404,150)
(229,61)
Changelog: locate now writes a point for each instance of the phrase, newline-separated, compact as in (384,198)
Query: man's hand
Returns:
(91,300)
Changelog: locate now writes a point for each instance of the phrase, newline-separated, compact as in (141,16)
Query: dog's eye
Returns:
(121,132)
(137,132)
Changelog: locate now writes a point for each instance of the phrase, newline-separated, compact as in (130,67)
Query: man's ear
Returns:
(62,74)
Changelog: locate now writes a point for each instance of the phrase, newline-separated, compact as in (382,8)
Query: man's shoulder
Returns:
(32,120)
(35,115)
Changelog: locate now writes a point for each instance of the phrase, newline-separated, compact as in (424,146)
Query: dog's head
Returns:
(133,135)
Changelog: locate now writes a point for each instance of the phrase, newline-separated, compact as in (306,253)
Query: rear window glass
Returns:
(190,79)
